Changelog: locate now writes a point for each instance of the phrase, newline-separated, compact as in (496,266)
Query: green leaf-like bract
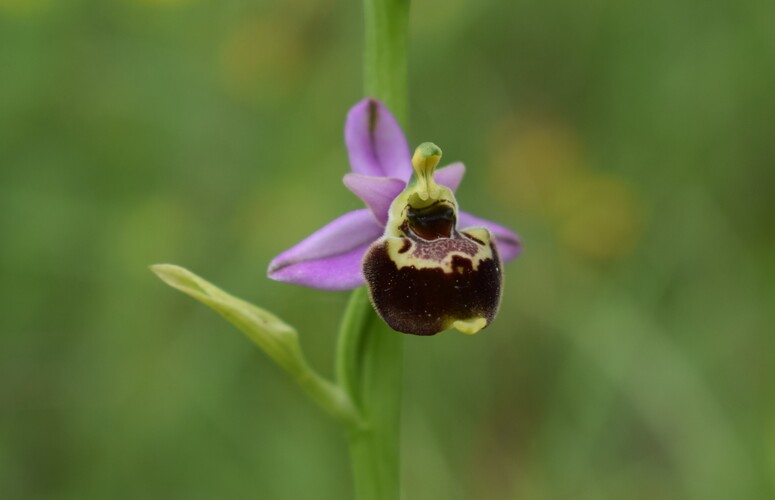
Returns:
(275,337)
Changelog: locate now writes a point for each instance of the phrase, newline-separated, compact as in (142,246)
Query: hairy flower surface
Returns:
(424,274)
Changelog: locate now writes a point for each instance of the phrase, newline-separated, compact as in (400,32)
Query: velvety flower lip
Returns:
(330,258)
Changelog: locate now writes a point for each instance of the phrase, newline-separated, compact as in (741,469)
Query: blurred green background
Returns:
(630,143)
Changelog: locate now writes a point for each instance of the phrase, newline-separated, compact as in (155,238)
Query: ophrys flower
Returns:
(404,209)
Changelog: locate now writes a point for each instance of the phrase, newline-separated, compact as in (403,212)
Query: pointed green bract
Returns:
(275,337)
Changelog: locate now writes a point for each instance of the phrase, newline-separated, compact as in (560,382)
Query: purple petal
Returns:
(339,272)
(451,175)
(375,142)
(509,244)
(376,192)
(330,258)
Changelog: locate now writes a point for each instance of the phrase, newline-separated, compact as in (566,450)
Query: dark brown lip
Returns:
(428,300)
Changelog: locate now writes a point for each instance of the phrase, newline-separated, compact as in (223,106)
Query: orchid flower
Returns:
(424,275)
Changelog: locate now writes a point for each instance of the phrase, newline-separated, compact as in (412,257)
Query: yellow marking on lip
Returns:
(469,326)
(480,233)
(407,259)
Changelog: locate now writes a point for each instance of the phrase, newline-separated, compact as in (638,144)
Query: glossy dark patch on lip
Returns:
(430,223)
(428,300)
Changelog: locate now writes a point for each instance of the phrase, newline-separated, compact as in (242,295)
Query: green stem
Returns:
(370,370)
(385,53)
(370,357)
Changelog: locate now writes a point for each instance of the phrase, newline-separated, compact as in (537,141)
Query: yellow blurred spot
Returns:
(539,167)
(599,216)
(530,160)
(262,58)
(22,8)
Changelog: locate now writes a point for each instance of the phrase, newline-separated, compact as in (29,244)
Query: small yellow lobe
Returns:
(469,326)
